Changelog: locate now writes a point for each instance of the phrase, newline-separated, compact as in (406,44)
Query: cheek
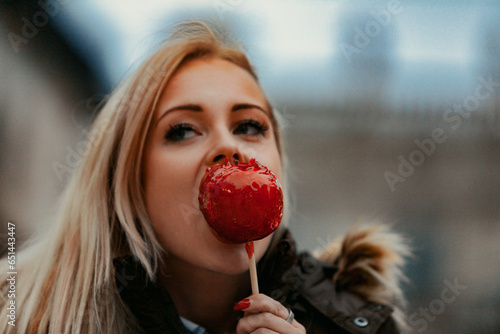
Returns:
(171,195)
(169,192)
(158,186)
(275,163)
(260,246)
(274,158)
(163,175)
(171,213)
(155,179)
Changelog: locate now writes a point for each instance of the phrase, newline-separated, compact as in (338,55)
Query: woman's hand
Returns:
(265,315)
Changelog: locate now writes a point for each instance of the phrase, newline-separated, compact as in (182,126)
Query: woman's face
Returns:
(210,110)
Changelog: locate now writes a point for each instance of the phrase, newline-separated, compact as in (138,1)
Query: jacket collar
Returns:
(151,305)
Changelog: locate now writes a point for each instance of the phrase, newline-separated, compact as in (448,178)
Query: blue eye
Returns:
(250,127)
(179,132)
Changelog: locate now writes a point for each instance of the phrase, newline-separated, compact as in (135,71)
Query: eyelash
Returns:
(260,127)
(175,132)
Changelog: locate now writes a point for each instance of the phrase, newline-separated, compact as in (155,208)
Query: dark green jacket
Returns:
(298,281)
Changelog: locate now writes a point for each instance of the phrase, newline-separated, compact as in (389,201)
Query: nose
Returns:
(221,158)
(226,150)
(225,146)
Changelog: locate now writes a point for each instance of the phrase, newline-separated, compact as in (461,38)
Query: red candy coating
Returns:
(250,249)
(241,202)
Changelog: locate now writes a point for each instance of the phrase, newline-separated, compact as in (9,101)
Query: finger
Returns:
(299,326)
(259,331)
(262,303)
(263,312)
(264,322)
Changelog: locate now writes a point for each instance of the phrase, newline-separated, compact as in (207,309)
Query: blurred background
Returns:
(391,112)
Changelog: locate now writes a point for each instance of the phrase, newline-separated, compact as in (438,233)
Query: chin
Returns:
(231,260)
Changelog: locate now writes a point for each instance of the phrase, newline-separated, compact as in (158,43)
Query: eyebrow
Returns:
(198,108)
(242,106)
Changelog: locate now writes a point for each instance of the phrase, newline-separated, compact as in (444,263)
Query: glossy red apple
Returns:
(242,201)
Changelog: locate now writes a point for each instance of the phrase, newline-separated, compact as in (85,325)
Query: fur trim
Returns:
(370,261)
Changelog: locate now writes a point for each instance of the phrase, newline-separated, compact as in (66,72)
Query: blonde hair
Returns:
(65,282)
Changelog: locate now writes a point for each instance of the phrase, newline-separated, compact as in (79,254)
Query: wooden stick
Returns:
(253,276)
(253,268)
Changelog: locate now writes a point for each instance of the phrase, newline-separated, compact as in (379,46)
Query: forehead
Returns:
(207,68)
(211,78)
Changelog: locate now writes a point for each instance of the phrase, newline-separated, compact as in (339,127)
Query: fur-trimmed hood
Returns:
(369,262)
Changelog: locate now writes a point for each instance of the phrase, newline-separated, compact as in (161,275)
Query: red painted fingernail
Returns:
(242,304)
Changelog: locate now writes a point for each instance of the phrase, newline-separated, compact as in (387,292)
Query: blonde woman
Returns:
(131,252)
